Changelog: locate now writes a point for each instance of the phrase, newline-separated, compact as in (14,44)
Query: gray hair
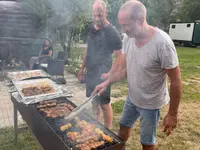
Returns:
(102,3)
(136,8)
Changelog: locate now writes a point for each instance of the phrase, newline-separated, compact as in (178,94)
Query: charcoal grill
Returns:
(46,130)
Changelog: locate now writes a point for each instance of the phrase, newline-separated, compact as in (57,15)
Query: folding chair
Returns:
(43,62)
(56,68)
(61,55)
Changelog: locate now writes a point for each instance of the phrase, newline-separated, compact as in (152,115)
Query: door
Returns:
(196,36)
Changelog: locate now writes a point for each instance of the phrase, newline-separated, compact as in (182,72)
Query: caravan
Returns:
(185,33)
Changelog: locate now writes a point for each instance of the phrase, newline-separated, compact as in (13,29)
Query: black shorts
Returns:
(103,99)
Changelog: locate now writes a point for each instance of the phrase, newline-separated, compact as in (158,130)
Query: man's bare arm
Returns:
(118,65)
(175,89)
(84,59)
(117,74)
(171,119)
(115,64)
(81,72)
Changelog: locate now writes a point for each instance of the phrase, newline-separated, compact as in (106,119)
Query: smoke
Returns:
(158,12)
(29,21)
(57,13)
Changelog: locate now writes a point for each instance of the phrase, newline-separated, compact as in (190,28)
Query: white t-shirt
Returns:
(147,79)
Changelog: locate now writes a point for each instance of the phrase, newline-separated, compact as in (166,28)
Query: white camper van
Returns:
(186,33)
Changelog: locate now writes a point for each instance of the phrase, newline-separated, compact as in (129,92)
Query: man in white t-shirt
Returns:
(147,58)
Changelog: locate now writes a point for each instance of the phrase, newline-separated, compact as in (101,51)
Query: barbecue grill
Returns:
(47,130)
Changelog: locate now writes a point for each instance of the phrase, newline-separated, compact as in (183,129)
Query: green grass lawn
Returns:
(189,61)
(190,69)
(185,137)
(25,140)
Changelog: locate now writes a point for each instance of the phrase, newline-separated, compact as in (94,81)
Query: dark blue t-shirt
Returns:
(101,44)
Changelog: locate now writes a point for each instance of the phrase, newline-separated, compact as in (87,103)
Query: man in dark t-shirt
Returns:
(103,41)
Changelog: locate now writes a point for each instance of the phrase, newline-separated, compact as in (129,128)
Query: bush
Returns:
(75,64)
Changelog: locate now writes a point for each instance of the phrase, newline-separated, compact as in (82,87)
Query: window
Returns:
(173,26)
(188,25)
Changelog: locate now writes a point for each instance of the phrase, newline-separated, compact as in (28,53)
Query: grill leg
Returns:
(15,125)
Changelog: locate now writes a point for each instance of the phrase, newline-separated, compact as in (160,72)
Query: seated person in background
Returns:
(46,50)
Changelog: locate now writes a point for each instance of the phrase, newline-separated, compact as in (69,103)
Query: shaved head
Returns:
(135,9)
(99,13)
(99,4)
(132,18)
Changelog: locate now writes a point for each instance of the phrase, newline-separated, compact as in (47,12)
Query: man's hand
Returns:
(170,123)
(101,88)
(104,76)
(80,74)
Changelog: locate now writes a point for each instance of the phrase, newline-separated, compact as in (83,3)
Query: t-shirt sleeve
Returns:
(124,41)
(168,56)
(115,40)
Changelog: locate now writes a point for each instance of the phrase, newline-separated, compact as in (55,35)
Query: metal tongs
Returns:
(80,108)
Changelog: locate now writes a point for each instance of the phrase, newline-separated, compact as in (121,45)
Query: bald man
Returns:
(103,41)
(148,57)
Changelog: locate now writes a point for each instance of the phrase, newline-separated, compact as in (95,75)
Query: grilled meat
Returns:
(90,137)
(54,110)
(37,90)
(65,127)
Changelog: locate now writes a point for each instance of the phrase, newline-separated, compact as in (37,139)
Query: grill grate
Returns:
(55,124)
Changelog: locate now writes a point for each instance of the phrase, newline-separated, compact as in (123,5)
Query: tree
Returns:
(158,11)
(60,16)
(113,9)
(189,11)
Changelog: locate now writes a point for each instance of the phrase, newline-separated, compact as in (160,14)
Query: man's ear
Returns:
(106,13)
(141,20)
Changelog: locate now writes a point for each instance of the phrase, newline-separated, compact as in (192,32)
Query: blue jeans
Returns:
(148,121)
